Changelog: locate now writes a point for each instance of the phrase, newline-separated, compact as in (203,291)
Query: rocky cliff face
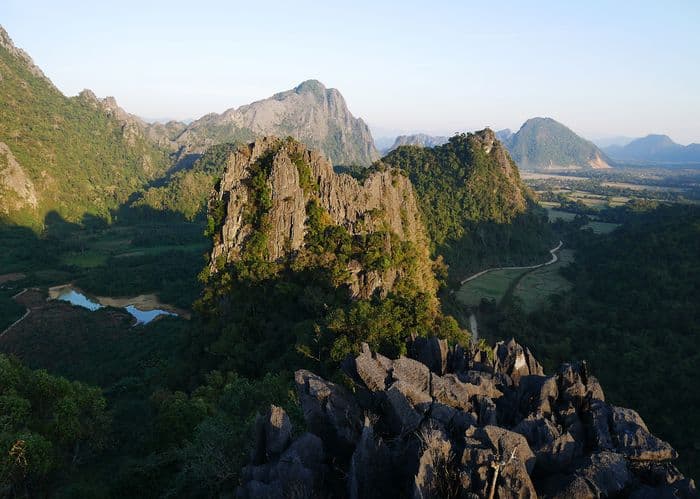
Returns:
(295,175)
(446,422)
(311,113)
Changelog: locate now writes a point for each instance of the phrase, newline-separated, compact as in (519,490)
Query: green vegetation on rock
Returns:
(477,211)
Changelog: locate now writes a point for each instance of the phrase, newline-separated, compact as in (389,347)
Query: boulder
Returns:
(373,369)
(432,435)
(596,420)
(371,463)
(505,442)
(515,361)
(487,411)
(329,410)
(431,352)
(435,467)
(273,434)
(537,395)
(514,482)
(483,383)
(412,372)
(632,438)
(450,391)
(401,411)
(600,475)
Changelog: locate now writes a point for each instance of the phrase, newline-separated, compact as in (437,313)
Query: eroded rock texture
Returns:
(410,430)
(385,202)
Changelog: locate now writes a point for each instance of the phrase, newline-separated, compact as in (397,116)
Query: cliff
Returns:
(311,113)
(293,181)
(445,422)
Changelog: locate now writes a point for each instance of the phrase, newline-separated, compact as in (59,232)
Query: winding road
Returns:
(473,326)
(18,320)
(554,259)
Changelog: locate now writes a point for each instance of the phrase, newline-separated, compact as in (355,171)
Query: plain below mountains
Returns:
(655,149)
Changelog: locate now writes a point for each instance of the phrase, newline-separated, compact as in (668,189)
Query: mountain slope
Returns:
(311,113)
(72,155)
(418,139)
(655,149)
(543,143)
(477,210)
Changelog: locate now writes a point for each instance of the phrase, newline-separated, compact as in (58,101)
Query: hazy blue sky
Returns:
(602,68)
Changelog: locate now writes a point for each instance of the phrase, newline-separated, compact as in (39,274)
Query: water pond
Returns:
(139,307)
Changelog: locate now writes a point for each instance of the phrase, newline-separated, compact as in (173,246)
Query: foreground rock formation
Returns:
(294,176)
(445,422)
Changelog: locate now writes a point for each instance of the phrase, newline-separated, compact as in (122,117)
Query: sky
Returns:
(614,68)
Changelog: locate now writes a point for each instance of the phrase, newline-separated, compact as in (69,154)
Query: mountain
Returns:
(418,139)
(655,149)
(477,211)
(69,155)
(311,113)
(504,135)
(273,191)
(618,140)
(543,143)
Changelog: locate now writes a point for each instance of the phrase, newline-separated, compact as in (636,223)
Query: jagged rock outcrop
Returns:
(311,113)
(464,429)
(17,190)
(294,175)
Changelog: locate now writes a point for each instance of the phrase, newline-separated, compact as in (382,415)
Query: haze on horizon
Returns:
(604,69)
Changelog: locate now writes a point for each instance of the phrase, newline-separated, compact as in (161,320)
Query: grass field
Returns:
(602,227)
(563,215)
(491,286)
(598,227)
(537,286)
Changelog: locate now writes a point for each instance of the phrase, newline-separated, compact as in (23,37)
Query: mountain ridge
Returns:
(655,148)
(310,112)
(69,155)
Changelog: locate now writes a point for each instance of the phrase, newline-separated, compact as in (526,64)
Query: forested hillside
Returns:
(71,155)
(477,211)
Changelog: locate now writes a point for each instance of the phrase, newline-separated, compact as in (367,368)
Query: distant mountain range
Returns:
(418,139)
(540,144)
(654,149)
